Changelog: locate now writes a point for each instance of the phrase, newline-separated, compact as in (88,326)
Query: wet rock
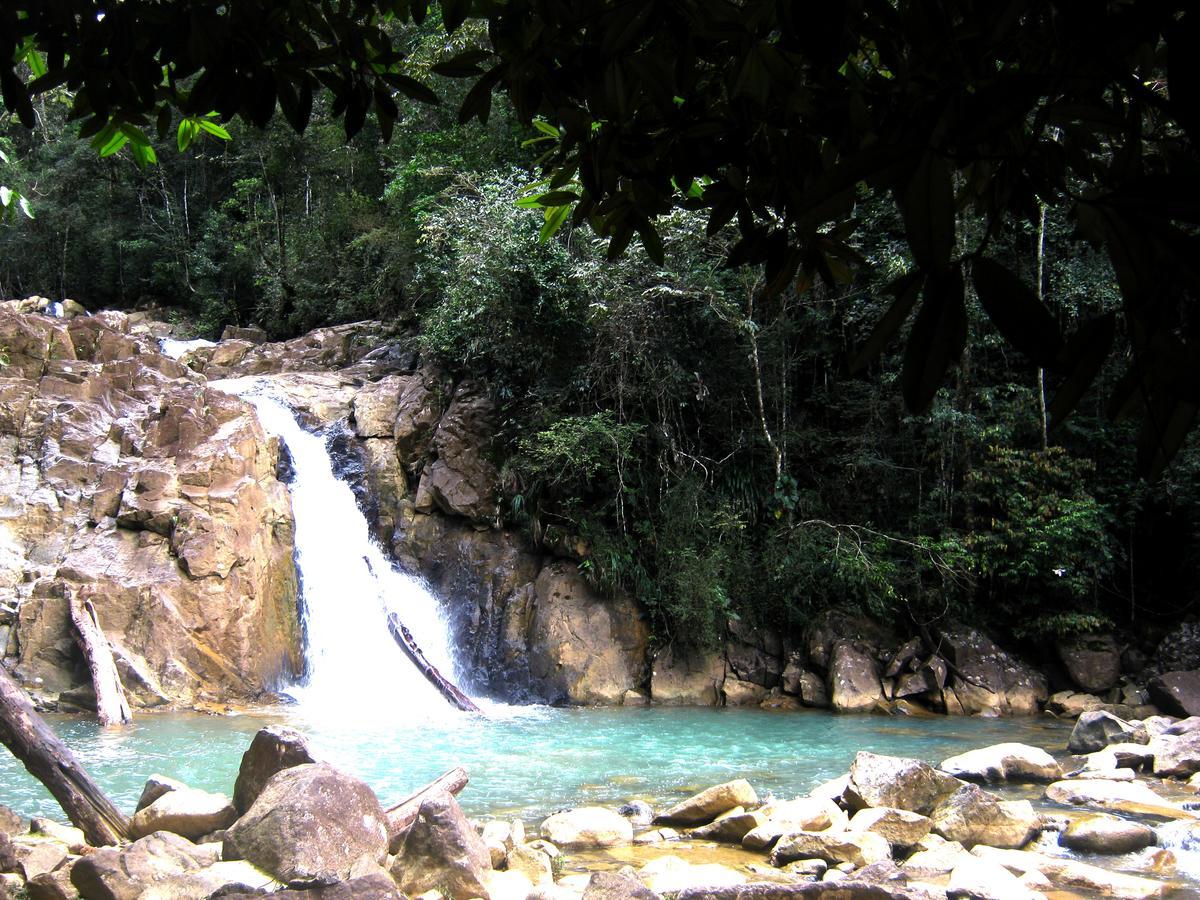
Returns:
(708,804)
(584,648)
(1176,756)
(1092,660)
(639,812)
(730,827)
(442,849)
(897,782)
(310,823)
(854,684)
(901,828)
(1004,762)
(978,879)
(587,827)
(613,886)
(187,812)
(1096,730)
(1177,693)
(789,816)
(1106,834)
(273,749)
(123,874)
(973,816)
(1116,796)
(861,848)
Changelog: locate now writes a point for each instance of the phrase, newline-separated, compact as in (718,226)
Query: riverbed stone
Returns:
(789,816)
(702,808)
(1092,660)
(896,782)
(1071,704)
(901,828)
(1134,798)
(224,876)
(1177,693)
(671,874)
(854,684)
(730,827)
(123,874)
(973,816)
(310,823)
(442,848)
(1097,729)
(1100,833)
(1004,762)
(1072,874)
(1176,755)
(587,827)
(934,857)
(615,886)
(273,749)
(861,848)
(531,862)
(54,885)
(10,823)
(34,855)
(188,812)
(980,879)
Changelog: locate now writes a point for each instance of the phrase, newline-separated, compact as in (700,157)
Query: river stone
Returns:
(861,849)
(310,823)
(442,848)
(1177,693)
(1176,755)
(670,874)
(614,886)
(226,876)
(972,816)
(1004,762)
(854,684)
(1102,833)
(1070,704)
(980,879)
(901,828)
(272,750)
(1092,660)
(186,811)
(8,854)
(935,857)
(1118,756)
(730,827)
(531,862)
(10,823)
(708,804)
(34,856)
(54,885)
(375,886)
(587,827)
(1097,729)
(896,782)
(789,816)
(1072,874)
(73,838)
(123,874)
(1132,797)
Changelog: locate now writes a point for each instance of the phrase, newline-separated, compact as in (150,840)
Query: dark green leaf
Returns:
(936,340)
(1017,312)
(907,289)
(1081,358)
(929,212)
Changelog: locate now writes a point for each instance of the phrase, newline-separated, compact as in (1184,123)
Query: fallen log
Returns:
(111,706)
(404,813)
(404,638)
(49,760)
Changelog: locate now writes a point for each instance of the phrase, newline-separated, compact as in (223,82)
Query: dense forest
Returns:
(718,450)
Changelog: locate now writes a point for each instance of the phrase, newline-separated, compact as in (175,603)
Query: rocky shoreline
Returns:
(1113,818)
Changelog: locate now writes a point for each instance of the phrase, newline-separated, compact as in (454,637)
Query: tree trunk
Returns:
(111,706)
(404,813)
(404,638)
(49,760)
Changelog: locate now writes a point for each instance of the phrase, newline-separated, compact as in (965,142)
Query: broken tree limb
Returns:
(49,760)
(404,638)
(404,813)
(111,706)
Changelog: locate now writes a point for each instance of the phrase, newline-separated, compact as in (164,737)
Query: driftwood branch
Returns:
(49,760)
(404,813)
(111,706)
(404,638)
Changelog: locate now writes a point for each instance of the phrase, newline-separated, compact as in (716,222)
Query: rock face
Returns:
(1092,660)
(310,823)
(1177,693)
(1000,683)
(128,482)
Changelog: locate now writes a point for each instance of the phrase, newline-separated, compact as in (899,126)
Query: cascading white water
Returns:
(349,586)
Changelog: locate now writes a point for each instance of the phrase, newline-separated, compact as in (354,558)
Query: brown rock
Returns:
(854,684)
(1000,682)
(682,677)
(1106,834)
(1092,660)
(614,886)
(742,693)
(273,749)
(901,828)
(310,823)
(186,812)
(789,816)
(54,885)
(461,479)
(861,849)
(972,816)
(123,874)
(897,782)
(442,849)
(1176,756)
(1004,762)
(708,804)
(1177,693)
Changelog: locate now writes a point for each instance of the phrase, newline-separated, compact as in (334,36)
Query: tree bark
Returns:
(49,760)
(111,706)
(404,813)
(404,638)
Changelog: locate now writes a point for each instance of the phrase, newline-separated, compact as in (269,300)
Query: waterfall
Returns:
(348,587)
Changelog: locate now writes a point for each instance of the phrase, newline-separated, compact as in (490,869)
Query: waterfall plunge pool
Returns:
(525,761)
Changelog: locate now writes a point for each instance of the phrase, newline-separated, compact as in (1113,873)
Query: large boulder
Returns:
(789,816)
(187,812)
(901,828)
(112,873)
(687,677)
(1004,762)
(988,679)
(584,648)
(132,484)
(442,850)
(1176,755)
(854,684)
(859,848)
(1097,729)
(980,879)
(1177,693)
(587,827)
(1131,797)
(897,782)
(273,749)
(972,816)
(310,823)
(708,804)
(1092,660)
(1101,833)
